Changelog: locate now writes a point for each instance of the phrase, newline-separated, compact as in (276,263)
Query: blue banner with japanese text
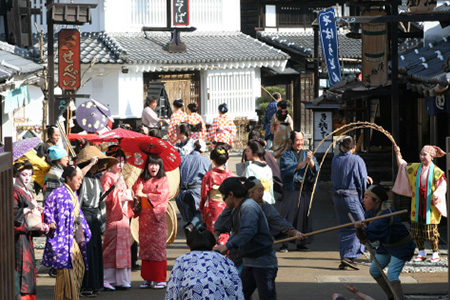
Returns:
(329,43)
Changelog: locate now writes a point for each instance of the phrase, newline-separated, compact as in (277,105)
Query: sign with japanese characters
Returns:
(180,12)
(323,126)
(329,43)
(69,59)
(437,104)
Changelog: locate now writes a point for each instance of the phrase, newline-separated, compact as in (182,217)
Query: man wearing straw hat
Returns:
(349,176)
(425,183)
(92,161)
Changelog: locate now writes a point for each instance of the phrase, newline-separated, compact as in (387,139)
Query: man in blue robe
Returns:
(293,164)
(349,176)
(192,169)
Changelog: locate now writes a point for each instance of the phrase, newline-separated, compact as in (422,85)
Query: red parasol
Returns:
(116,135)
(80,136)
(137,149)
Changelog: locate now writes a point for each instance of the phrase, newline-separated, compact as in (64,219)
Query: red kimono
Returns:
(153,228)
(211,202)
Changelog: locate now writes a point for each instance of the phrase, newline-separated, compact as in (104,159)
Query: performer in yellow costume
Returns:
(425,183)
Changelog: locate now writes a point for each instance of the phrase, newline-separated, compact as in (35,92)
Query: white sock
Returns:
(422,253)
(435,255)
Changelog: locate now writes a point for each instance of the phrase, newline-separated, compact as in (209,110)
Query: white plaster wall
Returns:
(102,88)
(8,126)
(131,95)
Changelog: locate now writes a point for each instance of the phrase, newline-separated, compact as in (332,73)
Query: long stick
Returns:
(372,254)
(341,226)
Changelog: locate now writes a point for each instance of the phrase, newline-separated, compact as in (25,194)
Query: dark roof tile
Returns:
(303,43)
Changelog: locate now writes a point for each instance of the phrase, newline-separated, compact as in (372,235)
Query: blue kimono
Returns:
(292,180)
(349,176)
(192,169)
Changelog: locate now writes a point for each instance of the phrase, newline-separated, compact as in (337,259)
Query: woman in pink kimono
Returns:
(152,188)
(116,242)
(211,202)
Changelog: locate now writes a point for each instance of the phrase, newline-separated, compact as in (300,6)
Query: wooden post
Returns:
(7,262)
(51,65)
(448,202)
(395,105)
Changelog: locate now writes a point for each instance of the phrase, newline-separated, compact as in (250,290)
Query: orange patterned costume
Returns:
(194,119)
(222,130)
(176,118)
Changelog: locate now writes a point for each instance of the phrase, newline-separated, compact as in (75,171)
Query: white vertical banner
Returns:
(323,125)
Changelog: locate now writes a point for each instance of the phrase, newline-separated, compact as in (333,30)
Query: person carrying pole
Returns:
(396,243)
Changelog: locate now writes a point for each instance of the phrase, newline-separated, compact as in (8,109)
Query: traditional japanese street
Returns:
(301,275)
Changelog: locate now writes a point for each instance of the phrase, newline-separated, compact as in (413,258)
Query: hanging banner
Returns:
(69,59)
(180,12)
(329,43)
(437,104)
(374,51)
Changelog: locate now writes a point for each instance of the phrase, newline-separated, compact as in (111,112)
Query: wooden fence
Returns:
(6,223)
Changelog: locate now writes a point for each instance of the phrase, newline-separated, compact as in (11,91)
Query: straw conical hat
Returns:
(104,162)
(171,220)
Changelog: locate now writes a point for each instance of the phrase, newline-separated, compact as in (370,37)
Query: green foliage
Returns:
(265,100)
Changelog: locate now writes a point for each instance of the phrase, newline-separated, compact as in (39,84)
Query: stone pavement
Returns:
(301,275)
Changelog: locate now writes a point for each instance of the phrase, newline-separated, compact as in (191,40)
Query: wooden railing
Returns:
(6,223)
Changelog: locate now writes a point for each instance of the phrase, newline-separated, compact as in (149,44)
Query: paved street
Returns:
(301,275)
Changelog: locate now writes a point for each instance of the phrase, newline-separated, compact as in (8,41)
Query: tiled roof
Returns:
(208,48)
(15,60)
(426,67)
(303,43)
(202,47)
(95,45)
(426,63)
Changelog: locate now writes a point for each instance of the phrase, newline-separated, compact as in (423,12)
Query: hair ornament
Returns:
(221,151)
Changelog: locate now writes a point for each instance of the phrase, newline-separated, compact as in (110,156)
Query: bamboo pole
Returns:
(341,226)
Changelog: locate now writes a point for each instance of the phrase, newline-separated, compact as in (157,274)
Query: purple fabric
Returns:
(59,209)
(23,146)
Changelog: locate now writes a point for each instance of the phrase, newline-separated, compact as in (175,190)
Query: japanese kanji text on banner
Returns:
(180,12)
(329,43)
(69,59)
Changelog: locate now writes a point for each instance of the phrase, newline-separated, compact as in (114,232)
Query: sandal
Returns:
(146,285)
(349,263)
(108,287)
(159,285)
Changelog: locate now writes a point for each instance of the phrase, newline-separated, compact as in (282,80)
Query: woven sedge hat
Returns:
(171,221)
(104,162)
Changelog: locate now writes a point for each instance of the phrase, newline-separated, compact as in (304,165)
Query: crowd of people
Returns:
(88,206)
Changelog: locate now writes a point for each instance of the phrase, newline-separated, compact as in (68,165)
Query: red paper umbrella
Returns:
(116,135)
(137,149)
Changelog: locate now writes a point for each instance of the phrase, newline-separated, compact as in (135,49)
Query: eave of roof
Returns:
(205,50)
(302,43)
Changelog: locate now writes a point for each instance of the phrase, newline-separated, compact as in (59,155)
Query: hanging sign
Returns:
(180,12)
(69,59)
(437,104)
(329,43)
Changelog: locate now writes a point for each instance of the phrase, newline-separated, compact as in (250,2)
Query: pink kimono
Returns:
(117,236)
(153,228)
